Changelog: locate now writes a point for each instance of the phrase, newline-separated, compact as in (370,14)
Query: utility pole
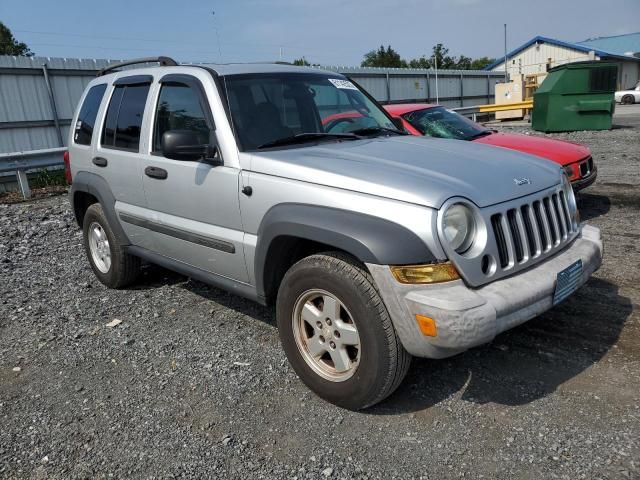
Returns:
(506,74)
(435,63)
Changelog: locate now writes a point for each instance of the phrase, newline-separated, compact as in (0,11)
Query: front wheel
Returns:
(336,331)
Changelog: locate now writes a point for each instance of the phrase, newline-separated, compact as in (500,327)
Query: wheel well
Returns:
(283,252)
(82,201)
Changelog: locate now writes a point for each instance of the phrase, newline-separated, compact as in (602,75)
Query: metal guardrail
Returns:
(473,111)
(21,162)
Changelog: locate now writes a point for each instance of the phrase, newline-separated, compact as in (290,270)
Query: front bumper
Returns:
(467,317)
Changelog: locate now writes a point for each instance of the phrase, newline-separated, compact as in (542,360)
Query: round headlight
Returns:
(459,227)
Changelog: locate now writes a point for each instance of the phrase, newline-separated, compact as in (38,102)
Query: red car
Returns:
(438,121)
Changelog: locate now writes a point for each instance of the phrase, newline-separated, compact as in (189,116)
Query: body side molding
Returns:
(205,241)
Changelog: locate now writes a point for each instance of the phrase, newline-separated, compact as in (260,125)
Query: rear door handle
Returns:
(99,161)
(156,172)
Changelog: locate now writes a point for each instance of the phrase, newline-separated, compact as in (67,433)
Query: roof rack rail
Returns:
(163,61)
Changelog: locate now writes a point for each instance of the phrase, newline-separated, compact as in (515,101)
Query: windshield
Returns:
(269,108)
(443,123)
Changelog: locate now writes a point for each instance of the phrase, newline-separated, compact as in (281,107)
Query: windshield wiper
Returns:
(308,137)
(484,133)
(377,130)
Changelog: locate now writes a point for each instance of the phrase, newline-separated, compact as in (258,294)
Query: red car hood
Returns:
(558,151)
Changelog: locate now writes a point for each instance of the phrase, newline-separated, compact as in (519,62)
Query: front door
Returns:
(193,207)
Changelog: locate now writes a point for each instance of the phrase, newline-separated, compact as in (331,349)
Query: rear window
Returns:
(88,113)
(124,117)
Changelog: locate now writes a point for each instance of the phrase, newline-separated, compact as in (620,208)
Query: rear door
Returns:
(116,156)
(193,206)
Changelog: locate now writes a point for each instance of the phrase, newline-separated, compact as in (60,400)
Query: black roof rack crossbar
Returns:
(163,61)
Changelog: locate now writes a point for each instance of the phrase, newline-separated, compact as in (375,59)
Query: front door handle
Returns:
(99,161)
(156,172)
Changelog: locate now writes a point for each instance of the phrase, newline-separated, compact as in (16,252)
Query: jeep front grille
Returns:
(535,228)
(514,235)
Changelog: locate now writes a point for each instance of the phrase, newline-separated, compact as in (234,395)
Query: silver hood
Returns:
(419,170)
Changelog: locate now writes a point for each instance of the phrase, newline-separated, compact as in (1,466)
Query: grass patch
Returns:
(48,178)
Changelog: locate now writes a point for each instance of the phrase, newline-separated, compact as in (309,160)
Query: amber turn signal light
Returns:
(427,326)
(430,273)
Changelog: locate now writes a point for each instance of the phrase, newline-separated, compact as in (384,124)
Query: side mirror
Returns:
(186,145)
(397,121)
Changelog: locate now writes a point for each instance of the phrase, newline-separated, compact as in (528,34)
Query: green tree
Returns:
(480,63)
(422,62)
(389,58)
(463,63)
(10,46)
(441,58)
(302,62)
(385,58)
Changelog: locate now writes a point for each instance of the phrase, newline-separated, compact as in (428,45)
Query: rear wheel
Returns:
(628,100)
(337,333)
(107,257)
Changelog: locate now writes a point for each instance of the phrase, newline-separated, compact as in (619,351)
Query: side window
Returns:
(109,129)
(124,117)
(88,113)
(179,108)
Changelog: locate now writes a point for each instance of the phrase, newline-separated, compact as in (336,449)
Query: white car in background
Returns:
(628,97)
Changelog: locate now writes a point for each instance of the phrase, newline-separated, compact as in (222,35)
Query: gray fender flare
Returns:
(370,239)
(98,187)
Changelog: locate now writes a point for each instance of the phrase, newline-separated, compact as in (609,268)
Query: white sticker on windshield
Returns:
(338,83)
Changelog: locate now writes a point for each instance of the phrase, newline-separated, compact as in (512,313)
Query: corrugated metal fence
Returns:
(451,88)
(35,94)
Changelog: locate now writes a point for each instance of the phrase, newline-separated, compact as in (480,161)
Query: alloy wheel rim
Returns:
(326,335)
(99,247)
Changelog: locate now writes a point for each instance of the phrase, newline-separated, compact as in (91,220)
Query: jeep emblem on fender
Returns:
(522,181)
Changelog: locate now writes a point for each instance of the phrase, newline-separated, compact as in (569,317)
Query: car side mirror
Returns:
(397,121)
(186,145)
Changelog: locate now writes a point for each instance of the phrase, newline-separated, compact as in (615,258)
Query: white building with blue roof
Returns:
(540,54)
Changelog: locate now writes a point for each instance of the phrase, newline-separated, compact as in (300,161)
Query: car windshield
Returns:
(273,110)
(443,123)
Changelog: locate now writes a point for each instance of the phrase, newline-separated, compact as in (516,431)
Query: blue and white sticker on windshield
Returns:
(339,83)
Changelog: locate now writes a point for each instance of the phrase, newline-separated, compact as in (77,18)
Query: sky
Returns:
(328,32)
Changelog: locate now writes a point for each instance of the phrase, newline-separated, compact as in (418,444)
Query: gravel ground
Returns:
(193,383)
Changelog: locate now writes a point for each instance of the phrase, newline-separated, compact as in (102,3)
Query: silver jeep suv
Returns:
(290,185)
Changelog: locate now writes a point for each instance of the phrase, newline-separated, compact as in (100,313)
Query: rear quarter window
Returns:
(85,123)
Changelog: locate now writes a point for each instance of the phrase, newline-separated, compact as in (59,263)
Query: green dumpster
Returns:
(576,96)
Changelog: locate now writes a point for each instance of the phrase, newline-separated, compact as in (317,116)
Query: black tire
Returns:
(628,100)
(124,268)
(383,360)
